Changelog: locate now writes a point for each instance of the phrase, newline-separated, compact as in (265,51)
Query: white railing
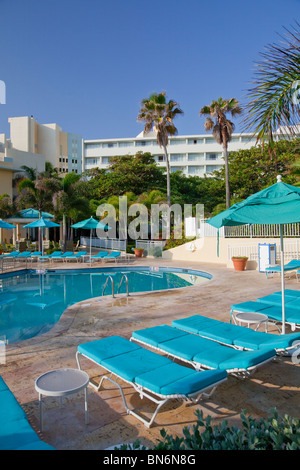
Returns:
(207,230)
(250,231)
(107,243)
(262,231)
(291,251)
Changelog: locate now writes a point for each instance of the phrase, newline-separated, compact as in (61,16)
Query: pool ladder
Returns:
(113,285)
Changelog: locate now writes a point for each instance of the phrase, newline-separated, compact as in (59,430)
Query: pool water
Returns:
(31,302)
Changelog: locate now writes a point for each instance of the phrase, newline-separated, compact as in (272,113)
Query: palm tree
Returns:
(274,99)
(70,204)
(158,114)
(222,128)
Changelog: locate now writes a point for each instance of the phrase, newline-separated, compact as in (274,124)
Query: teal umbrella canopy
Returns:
(90,224)
(6,225)
(277,204)
(40,223)
(33,214)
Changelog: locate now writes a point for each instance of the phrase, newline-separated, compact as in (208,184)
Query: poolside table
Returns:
(252,318)
(62,382)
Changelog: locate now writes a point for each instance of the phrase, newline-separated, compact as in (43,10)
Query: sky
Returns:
(87,64)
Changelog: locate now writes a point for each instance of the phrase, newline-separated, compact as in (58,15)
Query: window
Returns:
(177,141)
(161,158)
(196,170)
(92,146)
(195,157)
(109,145)
(195,141)
(125,144)
(177,158)
(211,156)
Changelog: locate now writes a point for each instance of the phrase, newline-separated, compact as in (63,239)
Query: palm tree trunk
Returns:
(225,156)
(168,176)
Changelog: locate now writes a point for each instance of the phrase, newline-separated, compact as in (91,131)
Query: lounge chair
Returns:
(202,353)
(23,254)
(62,256)
(235,335)
(151,375)
(270,305)
(15,430)
(290,266)
(49,257)
(113,255)
(99,255)
(12,254)
(75,256)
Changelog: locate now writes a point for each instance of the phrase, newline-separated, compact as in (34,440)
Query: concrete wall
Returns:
(206,250)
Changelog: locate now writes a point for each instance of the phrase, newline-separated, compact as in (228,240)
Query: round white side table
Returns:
(252,318)
(62,382)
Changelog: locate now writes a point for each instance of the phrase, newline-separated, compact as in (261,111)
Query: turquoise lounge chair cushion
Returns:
(132,364)
(236,335)
(250,306)
(275,299)
(106,348)
(146,368)
(173,379)
(201,351)
(15,430)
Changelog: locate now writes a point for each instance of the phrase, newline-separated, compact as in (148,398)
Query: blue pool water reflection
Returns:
(31,302)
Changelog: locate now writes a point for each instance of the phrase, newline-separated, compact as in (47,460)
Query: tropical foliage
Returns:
(274,98)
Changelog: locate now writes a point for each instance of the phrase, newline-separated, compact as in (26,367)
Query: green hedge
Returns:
(273,433)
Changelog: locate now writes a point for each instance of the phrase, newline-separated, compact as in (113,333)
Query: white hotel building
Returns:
(194,155)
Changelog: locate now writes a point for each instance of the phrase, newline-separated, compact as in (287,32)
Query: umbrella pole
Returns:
(282,279)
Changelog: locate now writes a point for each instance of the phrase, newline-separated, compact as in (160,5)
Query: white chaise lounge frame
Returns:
(143,392)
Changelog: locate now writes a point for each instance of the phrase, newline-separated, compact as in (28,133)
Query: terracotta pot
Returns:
(239,264)
(138,252)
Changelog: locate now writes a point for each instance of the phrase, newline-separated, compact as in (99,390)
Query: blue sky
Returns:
(87,64)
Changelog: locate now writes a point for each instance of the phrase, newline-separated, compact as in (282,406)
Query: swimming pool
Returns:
(32,301)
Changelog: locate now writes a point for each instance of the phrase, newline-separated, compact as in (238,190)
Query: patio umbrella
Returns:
(40,224)
(90,224)
(277,204)
(6,225)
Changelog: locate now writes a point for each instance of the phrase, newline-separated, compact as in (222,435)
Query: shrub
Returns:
(273,433)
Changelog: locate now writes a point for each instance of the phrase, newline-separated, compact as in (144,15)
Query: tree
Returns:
(158,114)
(222,129)
(251,170)
(273,100)
(69,203)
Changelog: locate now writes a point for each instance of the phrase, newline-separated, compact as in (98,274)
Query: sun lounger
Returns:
(99,255)
(15,430)
(75,256)
(153,376)
(24,254)
(290,266)
(270,305)
(12,254)
(49,257)
(62,256)
(202,353)
(235,335)
(113,255)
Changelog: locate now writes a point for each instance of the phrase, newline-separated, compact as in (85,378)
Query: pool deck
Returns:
(274,385)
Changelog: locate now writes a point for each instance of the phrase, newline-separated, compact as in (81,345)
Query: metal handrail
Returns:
(112,286)
(127,284)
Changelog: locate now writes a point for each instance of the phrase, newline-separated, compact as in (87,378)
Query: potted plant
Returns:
(239,262)
(138,252)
